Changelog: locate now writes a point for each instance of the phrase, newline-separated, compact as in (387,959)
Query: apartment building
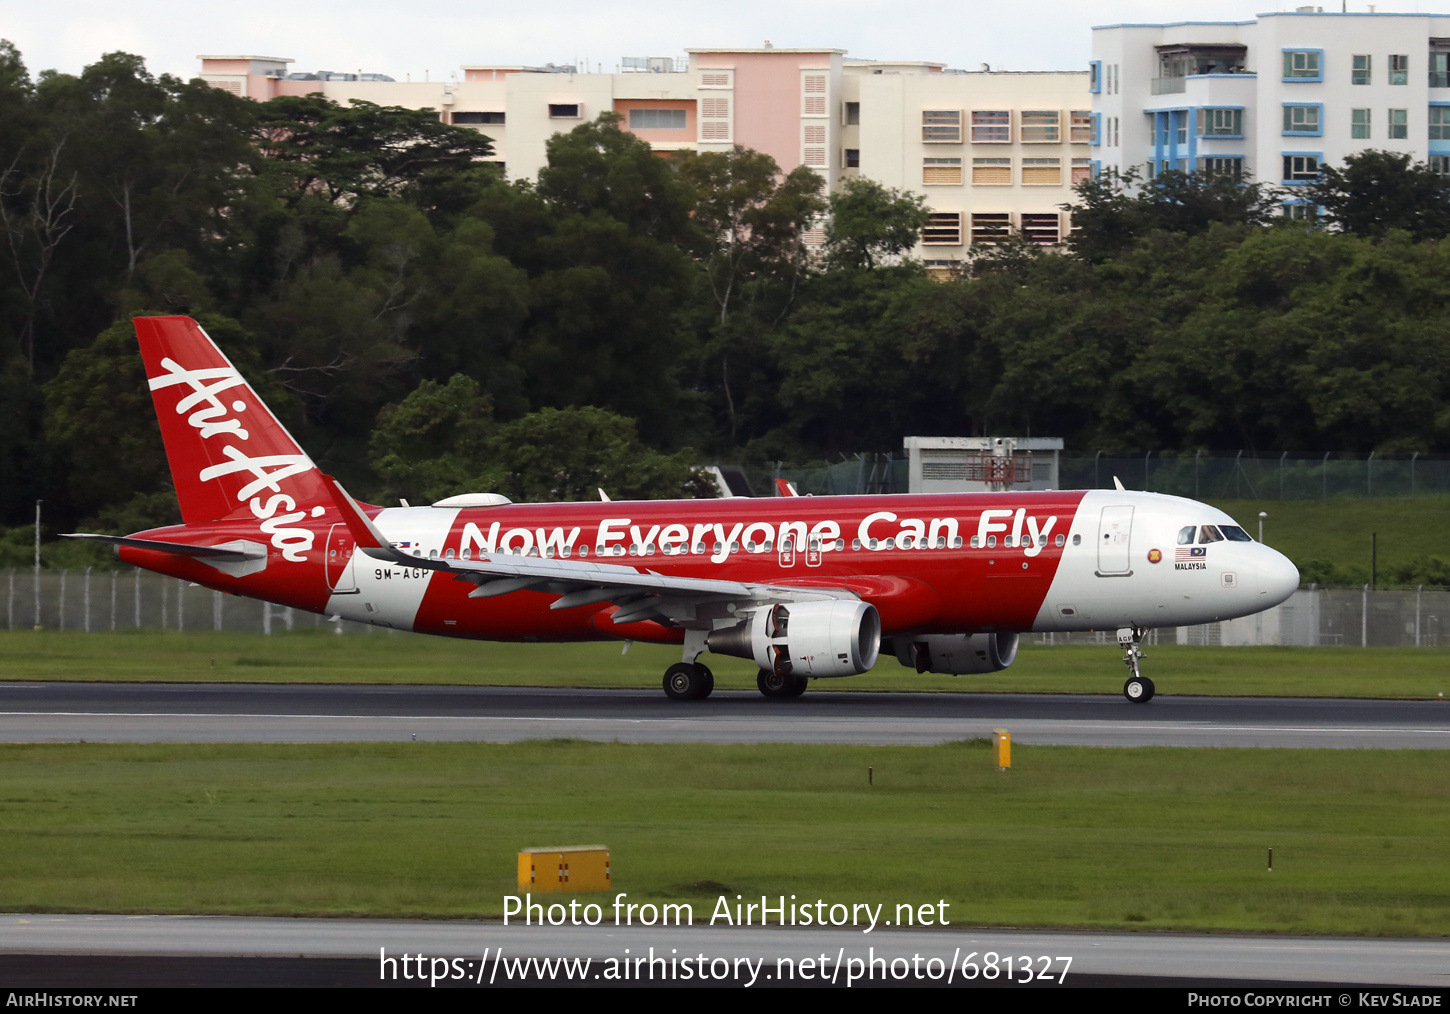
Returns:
(1273,98)
(991,152)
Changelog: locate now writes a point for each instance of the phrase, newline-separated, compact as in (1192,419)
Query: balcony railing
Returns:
(1169,85)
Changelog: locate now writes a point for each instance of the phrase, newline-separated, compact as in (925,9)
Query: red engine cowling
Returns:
(957,654)
(835,638)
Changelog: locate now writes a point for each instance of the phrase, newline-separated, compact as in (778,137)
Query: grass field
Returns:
(323,657)
(1141,838)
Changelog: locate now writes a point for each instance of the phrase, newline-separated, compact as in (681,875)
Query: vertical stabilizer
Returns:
(227,452)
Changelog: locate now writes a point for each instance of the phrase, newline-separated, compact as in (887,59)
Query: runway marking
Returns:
(1084,724)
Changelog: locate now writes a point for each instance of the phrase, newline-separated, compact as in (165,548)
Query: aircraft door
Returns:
(787,552)
(1115,534)
(340,578)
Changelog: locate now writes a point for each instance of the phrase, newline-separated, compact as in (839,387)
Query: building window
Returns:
(1360,73)
(993,126)
(1302,120)
(1399,70)
(941,172)
(1116,137)
(851,158)
(715,79)
(656,119)
(1440,70)
(851,114)
(1359,124)
(1441,164)
(1095,77)
(1301,212)
(1081,127)
(1303,65)
(1440,123)
(1398,126)
(1044,229)
(943,228)
(993,172)
(478,118)
(1042,172)
(991,228)
(813,95)
(565,111)
(1041,126)
(714,119)
(1220,122)
(1231,166)
(1082,170)
(941,126)
(1301,168)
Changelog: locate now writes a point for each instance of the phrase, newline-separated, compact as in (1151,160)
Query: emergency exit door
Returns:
(1115,538)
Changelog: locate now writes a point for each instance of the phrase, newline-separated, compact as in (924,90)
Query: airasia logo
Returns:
(206,410)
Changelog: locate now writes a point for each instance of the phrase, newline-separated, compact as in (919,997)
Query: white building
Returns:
(1273,98)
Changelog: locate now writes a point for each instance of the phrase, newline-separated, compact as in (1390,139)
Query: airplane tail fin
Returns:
(226,449)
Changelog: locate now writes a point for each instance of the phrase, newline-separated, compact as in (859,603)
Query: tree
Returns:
(869,222)
(434,442)
(1116,209)
(1377,191)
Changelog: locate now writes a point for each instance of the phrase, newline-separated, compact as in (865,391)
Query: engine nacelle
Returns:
(835,638)
(957,654)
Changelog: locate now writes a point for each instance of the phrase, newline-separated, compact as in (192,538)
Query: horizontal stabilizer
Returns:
(180,548)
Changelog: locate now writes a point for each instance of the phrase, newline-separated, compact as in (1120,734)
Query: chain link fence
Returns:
(96,600)
(1238,476)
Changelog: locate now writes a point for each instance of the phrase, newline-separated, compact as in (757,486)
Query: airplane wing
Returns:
(640,594)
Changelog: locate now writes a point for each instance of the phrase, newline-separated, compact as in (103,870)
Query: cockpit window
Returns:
(1209,533)
(1234,533)
(1185,535)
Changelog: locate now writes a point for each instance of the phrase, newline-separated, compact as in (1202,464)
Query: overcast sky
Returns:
(399,38)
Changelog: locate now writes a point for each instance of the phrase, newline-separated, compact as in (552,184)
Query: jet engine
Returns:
(957,654)
(835,638)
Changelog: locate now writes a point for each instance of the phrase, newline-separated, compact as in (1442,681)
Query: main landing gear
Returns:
(688,681)
(1138,688)
(782,685)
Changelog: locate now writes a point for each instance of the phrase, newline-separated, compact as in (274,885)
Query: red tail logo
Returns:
(227,452)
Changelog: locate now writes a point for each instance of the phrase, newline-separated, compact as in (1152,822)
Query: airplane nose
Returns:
(1278,577)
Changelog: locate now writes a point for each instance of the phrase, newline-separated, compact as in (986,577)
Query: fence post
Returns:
(1145,470)
(180,605)
(137,598)
(1412,472)
(60,605)
(86,622)
(266,617)
(10,603)
(1196,455)
(113,599)
(1364,618)
(1324,475)
(1419,590)
(1368,472)
(37,564)
(1281,474)
(216,610)
(164,618)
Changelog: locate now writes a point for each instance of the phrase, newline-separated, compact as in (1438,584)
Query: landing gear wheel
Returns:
(1138,689)
(780,685)
(685,681)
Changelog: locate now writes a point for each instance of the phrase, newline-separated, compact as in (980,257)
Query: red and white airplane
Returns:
(806,587)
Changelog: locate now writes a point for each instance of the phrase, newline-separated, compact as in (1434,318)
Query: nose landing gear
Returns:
(1138,688)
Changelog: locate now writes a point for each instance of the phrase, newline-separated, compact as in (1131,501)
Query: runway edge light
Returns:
(569,868)
(1002,748)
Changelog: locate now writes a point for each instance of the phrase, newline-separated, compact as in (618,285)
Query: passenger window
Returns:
(976,541)
(1208,534)
(991,542)
(1077,540)
(1185,535)
(1060,540)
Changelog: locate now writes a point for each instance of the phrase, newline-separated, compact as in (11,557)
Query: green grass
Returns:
(1329,540)
(378,657)
(1142,838)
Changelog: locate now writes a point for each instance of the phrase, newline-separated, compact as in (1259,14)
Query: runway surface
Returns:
(1176,956)
(136,713)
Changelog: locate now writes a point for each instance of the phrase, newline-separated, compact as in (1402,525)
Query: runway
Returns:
(142,712)
(1145,957)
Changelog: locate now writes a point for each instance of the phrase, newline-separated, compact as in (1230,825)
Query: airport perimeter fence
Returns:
(95,600)
(1240,476)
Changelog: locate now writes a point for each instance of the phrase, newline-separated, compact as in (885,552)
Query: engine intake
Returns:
(836,638)
(957,654)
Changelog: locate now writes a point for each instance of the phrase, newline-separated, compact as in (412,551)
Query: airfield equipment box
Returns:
(1002,748)
(574,868)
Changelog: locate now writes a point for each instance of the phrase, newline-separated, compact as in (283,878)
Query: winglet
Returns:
(364,533)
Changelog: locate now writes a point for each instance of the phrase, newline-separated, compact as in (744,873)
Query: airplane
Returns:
(805,587)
